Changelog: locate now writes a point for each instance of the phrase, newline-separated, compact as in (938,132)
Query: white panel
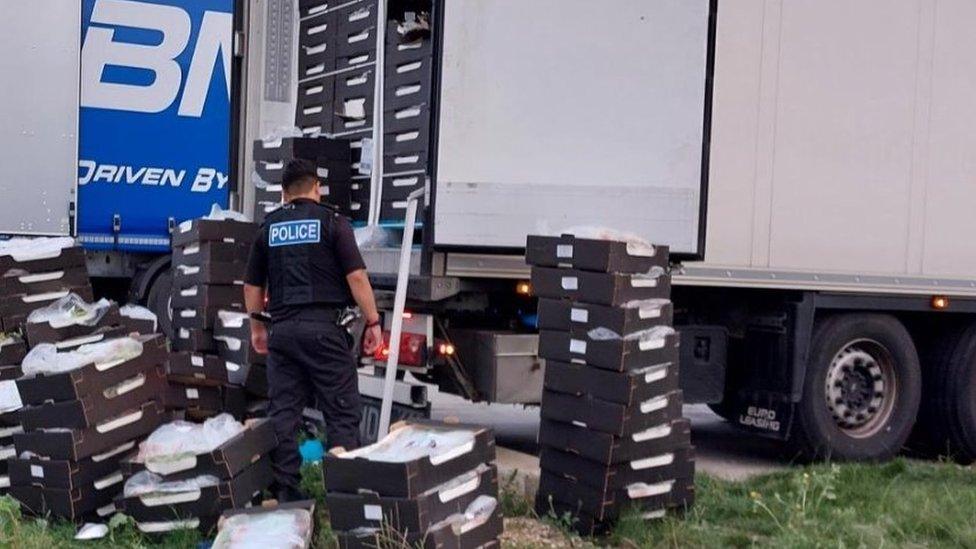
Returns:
(735,132)
(557,113)
(40,43)
(844,135)
(950,248)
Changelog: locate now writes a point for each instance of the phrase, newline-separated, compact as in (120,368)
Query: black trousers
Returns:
(310,359)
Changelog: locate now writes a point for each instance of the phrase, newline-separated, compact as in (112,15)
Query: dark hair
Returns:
(299,177)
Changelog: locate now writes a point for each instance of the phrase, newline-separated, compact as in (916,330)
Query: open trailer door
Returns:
(41,47)
(559,113)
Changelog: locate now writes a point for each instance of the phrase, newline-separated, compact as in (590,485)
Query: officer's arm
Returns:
(362,292)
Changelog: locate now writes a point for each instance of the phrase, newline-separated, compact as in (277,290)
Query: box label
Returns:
(579,315)
(373,512)
(37,471)
(564,251)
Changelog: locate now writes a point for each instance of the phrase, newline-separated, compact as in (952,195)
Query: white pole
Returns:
(379,79)
(399,304)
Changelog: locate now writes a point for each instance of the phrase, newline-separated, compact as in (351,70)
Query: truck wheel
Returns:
(861,391)
(947,419)
(158,302)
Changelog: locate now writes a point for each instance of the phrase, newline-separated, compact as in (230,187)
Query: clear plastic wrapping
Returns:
(413,442)
(280,529)
(27,249)
(181,439)
(45,358)
(147,482)
(70,310)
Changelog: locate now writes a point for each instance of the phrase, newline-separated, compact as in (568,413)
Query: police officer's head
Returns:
(300,180)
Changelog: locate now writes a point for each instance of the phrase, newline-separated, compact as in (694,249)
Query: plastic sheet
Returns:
(147,482)
(26,249)
(374,236)
(284,529)
(219,214)
(635,244)
(274,138)
(139,313)
(477,513)
(7,339)
(646,304)
(181,439)
(657,333)
(45,358)
(412,442)
(70,310)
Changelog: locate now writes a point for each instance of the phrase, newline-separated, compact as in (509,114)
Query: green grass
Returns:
(900,504)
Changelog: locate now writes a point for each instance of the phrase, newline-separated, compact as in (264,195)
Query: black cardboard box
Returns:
(626,388)
(307,117)
(610,417)
(194,340)
(12,349)
(470,535)
(253,378)
(206,502)
(318,29)
(43,332)
(237,350)
(139,326)
(320,91)
(406,140)
(353,40)
(197,402)
(196,369)
(677,463)
(598,288)
(39,283)
(410,478)
(398,187)
(581,318)
(301,147)
(587,254)
(77,444)
(210,296)
(65,258)
(395,211)
(65,474)
(606,448)
(211,273)
(353,59)
(211,252)
(315,59)
(91,378)
(406,118)
(617,355)
(406,161)
(225,462)
(608,505)
(198,318)
(400,50)
(206,230)
(14,310)
(358,16)
(68,504)
(349,511)
(308,8)
(97,406)
(404,90)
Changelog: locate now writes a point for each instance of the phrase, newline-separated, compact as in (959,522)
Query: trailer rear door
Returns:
(41,45)
(559,113)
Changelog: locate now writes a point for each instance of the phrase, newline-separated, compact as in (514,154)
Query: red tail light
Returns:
(413,349)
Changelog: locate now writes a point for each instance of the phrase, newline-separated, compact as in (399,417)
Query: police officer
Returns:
(306,261)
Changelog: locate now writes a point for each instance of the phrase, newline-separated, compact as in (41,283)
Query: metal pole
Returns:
(399,304)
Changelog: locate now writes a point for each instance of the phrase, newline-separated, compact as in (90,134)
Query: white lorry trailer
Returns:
(807,162)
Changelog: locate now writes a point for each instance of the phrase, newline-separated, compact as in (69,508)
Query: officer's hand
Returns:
(259,337)
(372,339)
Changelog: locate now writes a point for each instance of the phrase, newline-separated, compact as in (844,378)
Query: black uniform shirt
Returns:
(303,254)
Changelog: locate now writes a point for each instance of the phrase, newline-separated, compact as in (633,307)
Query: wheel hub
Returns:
(860,388)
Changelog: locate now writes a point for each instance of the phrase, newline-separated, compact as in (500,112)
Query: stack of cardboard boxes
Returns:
(210,370)
(36,274)
(612,434)
(331,157)
(84,409)
(425,484)
(183,491)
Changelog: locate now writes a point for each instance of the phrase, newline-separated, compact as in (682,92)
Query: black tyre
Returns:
(861,390)
(722,410)
(947,419)
(158,302)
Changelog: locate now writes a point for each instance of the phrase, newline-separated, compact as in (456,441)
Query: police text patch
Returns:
(287,233)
